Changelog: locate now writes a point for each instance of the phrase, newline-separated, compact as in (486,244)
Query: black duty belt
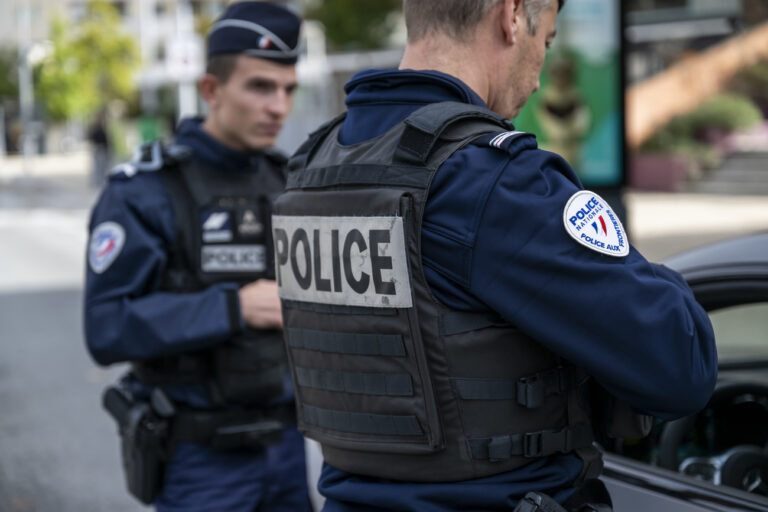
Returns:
(232,429)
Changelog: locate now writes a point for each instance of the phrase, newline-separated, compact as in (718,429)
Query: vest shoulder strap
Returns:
(302,155)
(178,275)
(151,157)
(447,121)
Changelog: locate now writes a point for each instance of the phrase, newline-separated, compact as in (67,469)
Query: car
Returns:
(717,459)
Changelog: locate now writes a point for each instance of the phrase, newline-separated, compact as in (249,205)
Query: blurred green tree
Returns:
(9,73)
(91,63)
(355,24)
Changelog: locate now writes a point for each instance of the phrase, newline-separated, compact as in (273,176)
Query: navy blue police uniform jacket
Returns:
(127,319)
(493,240)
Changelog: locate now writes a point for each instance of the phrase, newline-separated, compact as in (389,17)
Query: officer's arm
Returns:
(632,325)
(126,318)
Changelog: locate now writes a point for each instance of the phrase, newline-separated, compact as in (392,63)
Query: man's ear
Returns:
(208,86)
(512,17)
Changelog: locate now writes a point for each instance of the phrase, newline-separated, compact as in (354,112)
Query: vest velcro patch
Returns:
(591,222)
(233,258)
(350,261)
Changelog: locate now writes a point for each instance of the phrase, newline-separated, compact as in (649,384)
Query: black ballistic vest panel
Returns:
(392,383)
(222,228)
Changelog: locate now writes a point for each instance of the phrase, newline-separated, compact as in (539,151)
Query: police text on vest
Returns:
(353,261)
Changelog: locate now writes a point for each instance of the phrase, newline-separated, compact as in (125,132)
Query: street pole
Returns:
(26,92)
(3,148)
(185,30)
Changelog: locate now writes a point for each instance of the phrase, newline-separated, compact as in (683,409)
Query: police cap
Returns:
(259,29)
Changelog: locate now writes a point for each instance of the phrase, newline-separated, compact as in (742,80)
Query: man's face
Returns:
(247,111)
(528,61)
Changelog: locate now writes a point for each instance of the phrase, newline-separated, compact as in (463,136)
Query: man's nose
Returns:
(280,104)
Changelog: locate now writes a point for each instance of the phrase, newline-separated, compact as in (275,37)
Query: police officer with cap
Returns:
(180,283)
(463,320)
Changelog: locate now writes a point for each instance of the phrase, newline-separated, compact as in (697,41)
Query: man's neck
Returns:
(438,52)
(212,129)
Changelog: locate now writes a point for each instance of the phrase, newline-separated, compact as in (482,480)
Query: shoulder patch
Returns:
(107,240)
(590,221)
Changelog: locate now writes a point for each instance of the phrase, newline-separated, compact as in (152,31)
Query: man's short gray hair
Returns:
(458,17)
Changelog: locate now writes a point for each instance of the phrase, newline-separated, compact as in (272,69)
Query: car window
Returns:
(741,332)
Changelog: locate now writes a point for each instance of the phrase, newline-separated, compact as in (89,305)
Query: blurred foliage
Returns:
(9,73)
(92,62)
(203,24)
(689,135)
(752,82)
(355,24)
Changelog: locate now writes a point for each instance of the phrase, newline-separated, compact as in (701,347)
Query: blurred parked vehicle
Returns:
(716,459)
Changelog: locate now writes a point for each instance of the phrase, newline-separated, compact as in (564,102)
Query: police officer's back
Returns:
(462,319)
(180,283)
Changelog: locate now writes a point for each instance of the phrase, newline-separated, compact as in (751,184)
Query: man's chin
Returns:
(261,142)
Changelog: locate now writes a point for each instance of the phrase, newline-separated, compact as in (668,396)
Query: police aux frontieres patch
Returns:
(592,223)
(351,261)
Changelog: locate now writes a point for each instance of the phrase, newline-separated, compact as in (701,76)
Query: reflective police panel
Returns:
(351,261)
(234,258)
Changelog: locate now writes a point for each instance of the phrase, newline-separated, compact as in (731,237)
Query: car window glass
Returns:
(741,332)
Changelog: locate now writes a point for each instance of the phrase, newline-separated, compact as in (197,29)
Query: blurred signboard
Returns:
(578,112)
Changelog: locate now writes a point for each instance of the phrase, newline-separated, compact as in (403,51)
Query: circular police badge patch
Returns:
(107,241)
(591,222)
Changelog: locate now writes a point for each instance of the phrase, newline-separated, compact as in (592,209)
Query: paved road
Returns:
(58,449)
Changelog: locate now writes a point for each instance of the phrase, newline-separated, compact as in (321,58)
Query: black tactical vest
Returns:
(222,234)
(392,383)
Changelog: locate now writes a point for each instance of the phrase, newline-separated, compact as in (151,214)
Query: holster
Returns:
(592,496)
(143,439)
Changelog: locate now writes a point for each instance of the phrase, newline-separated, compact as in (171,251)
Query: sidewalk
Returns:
(60,164)
(663,224)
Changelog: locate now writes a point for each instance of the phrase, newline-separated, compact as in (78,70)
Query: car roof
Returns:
(746,255)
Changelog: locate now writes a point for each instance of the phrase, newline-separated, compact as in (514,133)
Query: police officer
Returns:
(462,318)
(180,283)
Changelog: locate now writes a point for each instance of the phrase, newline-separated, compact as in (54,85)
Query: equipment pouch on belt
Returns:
(618,419)
(143,436)
(250,371)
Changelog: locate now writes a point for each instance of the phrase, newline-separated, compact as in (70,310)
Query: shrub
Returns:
(722,114)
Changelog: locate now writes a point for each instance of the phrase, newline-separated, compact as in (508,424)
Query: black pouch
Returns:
(143,439)
(250,369)
(617,419)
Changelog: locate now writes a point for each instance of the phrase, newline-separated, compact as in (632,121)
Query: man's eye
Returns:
(262,86)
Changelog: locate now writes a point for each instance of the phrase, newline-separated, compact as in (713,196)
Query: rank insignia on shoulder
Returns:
(107,240)
(592,222)
(503,137)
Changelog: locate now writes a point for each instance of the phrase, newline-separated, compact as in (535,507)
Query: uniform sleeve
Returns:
(126,318)
(634,326)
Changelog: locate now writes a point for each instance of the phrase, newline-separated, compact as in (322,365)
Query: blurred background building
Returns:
(149,82)
(651,94)
(697,95)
